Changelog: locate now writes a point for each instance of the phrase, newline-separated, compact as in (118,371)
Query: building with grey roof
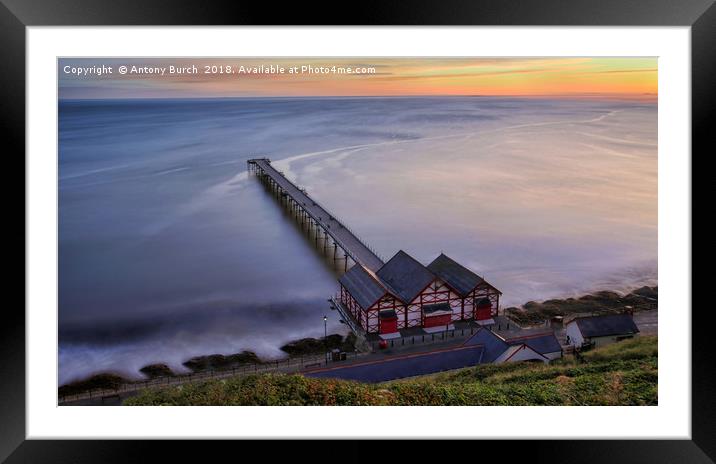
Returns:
(535,347)
(458,276)
(363,286)
(405,275)
(429,297)
(600,330)
(545,343)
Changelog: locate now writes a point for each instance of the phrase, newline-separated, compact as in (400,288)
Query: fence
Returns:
(427,339)
(291,364)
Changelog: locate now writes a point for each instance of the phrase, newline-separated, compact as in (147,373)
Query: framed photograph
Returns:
(447,222)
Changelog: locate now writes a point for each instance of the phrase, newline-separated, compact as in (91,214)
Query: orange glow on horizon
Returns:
(617,77)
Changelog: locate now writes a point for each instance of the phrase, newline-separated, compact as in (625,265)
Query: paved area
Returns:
(409,365)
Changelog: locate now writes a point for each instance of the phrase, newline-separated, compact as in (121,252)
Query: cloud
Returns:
(393,76)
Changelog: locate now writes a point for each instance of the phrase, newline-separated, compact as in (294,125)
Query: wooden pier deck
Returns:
(308,211)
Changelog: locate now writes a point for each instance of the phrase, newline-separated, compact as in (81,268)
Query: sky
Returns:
(89,78)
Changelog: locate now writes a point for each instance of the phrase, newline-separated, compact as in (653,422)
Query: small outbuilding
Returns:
(600,330)
(500,350)
(521,352)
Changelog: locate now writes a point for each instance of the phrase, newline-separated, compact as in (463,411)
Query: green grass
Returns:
(621,374)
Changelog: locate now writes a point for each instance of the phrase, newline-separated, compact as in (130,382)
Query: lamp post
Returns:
(325,337)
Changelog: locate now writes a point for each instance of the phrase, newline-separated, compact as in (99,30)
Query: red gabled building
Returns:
(365,297)
(479,299)
(404,294)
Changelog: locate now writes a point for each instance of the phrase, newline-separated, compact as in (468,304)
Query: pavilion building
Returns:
(403,294)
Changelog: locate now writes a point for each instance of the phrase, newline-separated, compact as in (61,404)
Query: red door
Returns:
(388,325)
(483,312)
(436,321)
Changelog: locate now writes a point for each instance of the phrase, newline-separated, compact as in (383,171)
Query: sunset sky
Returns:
(577,77)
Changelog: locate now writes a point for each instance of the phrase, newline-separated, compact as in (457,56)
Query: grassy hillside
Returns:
(619,374)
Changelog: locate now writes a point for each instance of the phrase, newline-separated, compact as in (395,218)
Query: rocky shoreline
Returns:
(603,302)
(212,362)
(641,299)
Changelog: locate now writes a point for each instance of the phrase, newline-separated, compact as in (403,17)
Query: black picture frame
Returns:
(16,15)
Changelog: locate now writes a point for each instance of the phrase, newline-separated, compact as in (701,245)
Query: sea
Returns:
(169,249)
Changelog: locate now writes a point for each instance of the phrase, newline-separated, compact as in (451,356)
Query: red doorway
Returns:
(483,309)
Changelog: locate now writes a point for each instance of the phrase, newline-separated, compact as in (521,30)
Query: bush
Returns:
(106,381)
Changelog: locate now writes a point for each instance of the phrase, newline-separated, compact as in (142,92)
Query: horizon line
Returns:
(568,95)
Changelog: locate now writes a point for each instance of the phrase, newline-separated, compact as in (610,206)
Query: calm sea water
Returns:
(168,249)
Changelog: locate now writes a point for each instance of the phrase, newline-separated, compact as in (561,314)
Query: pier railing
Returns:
(352,245)
(341,222)
(346,316)
(343,225)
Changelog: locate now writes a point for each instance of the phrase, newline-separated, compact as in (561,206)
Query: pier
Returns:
(330,233)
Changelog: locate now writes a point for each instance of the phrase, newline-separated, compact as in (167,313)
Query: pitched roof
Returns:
(493,343)
(514,349)
(456,275)
(405,276)
(362,285)
(609,324)
(541,343)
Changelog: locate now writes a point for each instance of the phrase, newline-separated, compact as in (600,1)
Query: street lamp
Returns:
(325,337)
